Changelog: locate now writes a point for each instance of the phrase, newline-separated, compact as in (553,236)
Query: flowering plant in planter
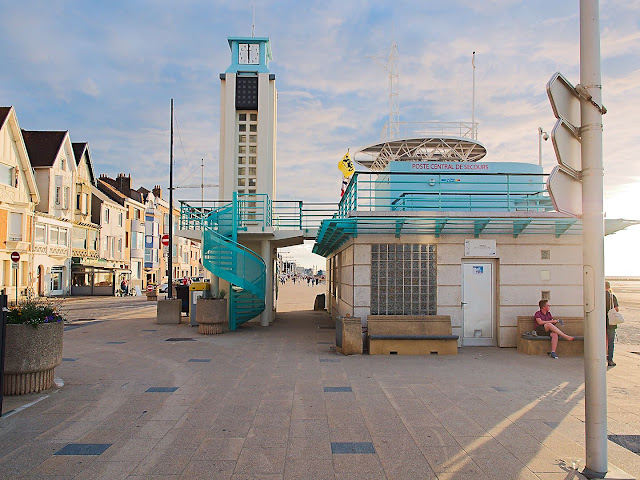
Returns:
(33,345)
(35,311)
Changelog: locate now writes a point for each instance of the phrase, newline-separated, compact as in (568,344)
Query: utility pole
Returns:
(595,372)
(170,253)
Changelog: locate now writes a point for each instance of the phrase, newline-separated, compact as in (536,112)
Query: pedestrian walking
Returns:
(610,302)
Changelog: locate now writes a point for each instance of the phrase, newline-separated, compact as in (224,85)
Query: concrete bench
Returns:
(410,335)
(541,345)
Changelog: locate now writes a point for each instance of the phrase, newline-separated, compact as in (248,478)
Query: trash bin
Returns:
(197,290)
(182,293)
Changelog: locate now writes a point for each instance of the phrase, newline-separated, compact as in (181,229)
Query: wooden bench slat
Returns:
(413,337)
(548,338)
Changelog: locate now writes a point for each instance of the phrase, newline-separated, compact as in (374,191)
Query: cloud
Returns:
(107,71)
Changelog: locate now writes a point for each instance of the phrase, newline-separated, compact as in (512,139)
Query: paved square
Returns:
(272,403)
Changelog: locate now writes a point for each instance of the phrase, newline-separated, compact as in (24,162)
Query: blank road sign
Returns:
(565,191)
(567,147)
(565,102)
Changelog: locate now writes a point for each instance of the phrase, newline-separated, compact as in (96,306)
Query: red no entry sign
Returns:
(165,240)
(15,257)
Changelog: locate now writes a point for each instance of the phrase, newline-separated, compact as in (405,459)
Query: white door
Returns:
(55,286)
(478,326)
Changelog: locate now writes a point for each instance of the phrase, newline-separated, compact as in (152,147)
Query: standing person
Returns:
(610,302)
(545,325)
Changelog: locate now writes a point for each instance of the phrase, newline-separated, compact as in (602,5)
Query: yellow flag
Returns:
(346,165)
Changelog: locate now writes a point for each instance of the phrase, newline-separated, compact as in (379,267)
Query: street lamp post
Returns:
(542,135)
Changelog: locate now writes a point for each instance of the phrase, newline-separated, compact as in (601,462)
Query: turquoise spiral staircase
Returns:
(227,259)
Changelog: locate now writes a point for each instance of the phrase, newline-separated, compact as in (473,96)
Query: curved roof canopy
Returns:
(422,149)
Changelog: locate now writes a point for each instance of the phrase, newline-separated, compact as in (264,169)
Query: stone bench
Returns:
(541,345)
(410,335)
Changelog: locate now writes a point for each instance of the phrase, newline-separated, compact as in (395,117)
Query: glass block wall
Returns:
(403,279)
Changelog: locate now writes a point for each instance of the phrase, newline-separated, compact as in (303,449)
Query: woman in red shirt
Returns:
(546,325)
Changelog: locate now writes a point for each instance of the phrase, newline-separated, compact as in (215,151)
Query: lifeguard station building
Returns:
(425,228)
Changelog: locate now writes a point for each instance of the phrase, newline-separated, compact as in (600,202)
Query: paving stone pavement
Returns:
(265,403)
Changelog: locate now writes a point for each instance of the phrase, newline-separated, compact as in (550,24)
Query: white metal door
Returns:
(477,304)
(55,286)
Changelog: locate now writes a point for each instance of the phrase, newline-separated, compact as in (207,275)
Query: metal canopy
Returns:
(432,148)
(336,231)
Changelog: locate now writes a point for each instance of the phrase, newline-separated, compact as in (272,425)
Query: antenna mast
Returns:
(391,129)
(473,99)
(253,23)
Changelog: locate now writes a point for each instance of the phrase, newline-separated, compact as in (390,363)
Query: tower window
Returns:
(252,160)
(241,160)
(247,94)
(253,116)
(253,128)
(242,127)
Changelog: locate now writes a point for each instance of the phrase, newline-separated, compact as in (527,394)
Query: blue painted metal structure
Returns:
(244,269)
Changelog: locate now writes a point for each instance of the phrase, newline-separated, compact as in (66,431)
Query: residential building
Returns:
(183,250)
(89,274)
(134,249)
(52,158)
(18,198)
(110,214)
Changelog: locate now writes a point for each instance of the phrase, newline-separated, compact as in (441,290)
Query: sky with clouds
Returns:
(106,71)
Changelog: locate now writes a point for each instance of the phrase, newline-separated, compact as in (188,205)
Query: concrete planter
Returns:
(211,315)
(168,311)
(31,355)
(152,295)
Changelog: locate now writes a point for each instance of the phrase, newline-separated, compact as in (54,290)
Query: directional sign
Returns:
(565,191)
(565,101)
(165,240)
(567,147)
(15,257)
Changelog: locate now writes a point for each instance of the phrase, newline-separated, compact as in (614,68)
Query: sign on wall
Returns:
(476,247)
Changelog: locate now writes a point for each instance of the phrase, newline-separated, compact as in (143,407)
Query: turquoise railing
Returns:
(260,213)
(241,267)
(390,191)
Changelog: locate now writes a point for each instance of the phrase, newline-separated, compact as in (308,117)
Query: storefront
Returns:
(96,277)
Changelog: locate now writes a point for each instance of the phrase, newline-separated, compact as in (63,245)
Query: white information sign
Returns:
(476,247)
(565,191)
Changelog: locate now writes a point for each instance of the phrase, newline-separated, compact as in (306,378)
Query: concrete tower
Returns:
(248,120)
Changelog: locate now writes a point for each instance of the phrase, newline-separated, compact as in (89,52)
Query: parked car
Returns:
(164,288)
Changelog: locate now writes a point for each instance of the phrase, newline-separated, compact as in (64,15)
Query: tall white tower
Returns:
(248,104)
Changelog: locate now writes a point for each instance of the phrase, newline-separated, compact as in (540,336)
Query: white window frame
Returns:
(15,232)
(43,228)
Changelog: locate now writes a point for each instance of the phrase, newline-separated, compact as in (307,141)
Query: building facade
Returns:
(51,154)
(18,198)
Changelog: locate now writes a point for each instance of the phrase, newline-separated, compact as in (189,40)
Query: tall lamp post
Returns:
(542,135)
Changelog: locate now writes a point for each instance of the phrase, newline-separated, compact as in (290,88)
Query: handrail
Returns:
(469,191)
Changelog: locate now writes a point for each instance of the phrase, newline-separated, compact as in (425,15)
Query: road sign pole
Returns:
(4,302)
(593,245)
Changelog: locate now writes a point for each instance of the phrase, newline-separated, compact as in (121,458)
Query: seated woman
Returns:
(545,325)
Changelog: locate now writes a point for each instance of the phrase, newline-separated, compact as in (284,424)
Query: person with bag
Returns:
(611,304)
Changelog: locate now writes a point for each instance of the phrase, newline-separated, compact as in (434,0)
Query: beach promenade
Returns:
(279,403)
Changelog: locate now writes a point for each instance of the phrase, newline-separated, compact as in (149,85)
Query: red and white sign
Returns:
(15,257)
(165,240)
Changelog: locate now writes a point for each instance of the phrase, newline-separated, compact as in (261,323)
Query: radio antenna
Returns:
(253,23)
